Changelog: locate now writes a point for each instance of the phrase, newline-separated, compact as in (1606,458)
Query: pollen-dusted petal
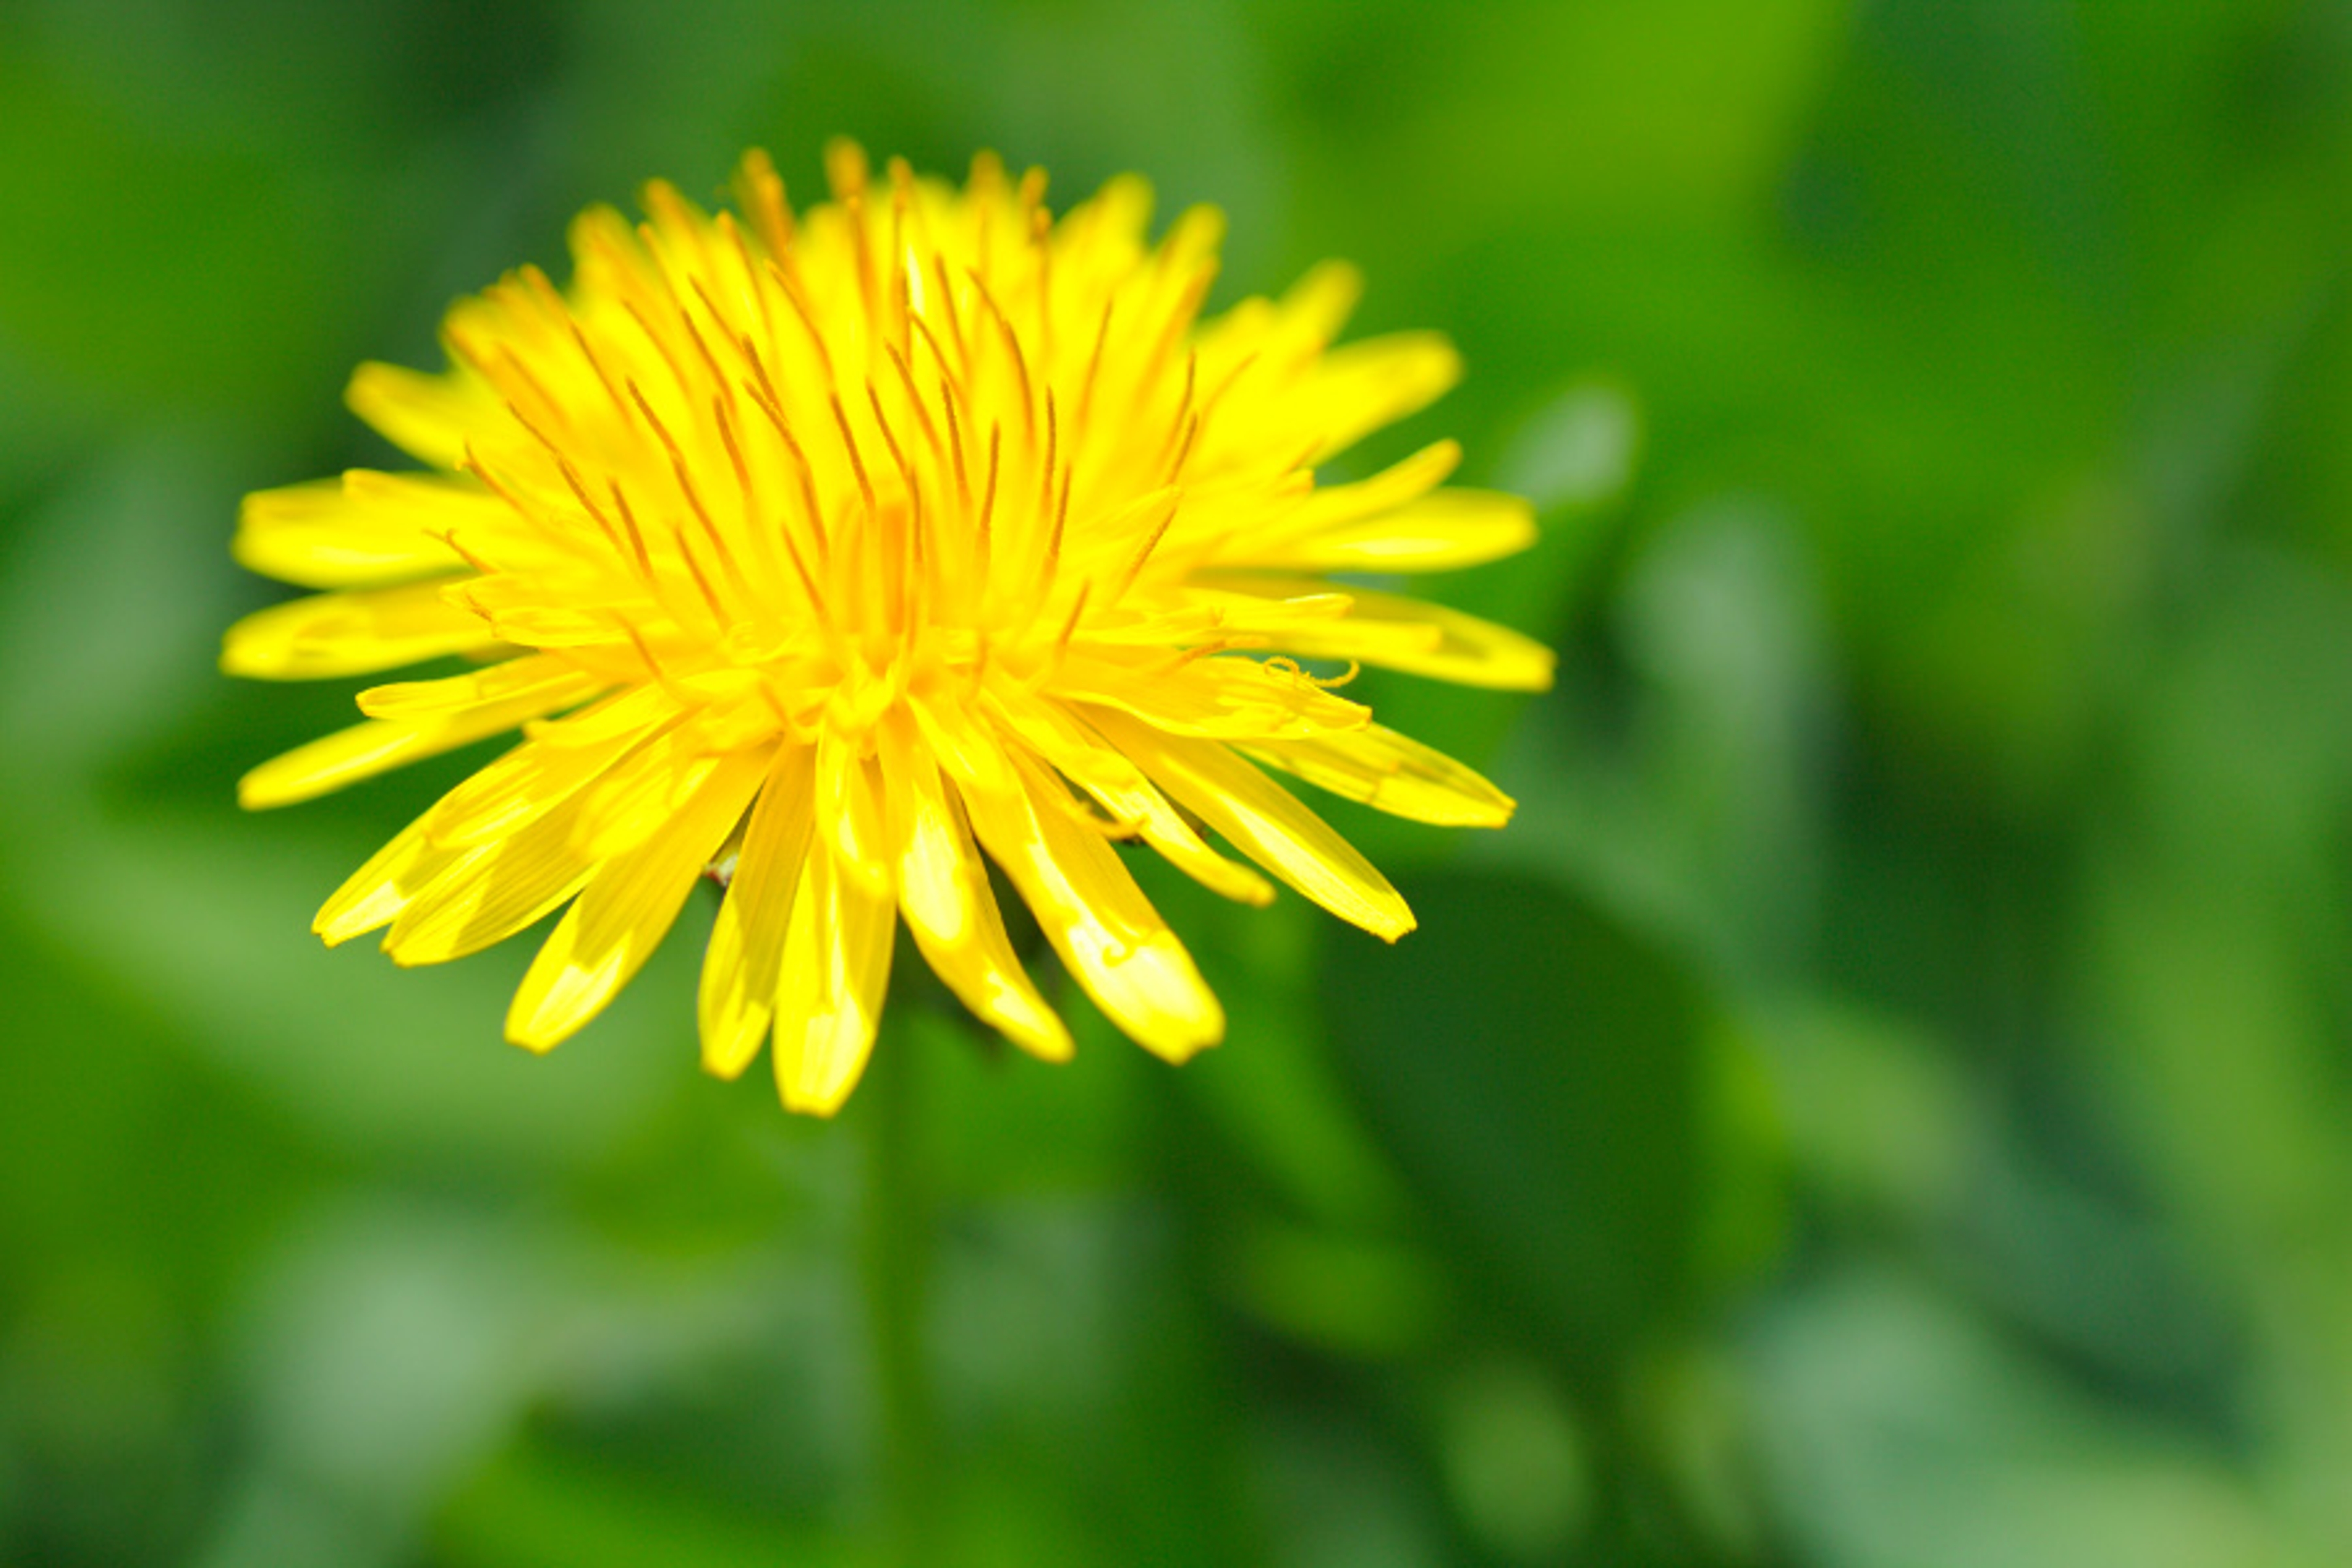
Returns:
(829,995)
(490,893)
(1392,632)
(943,891)
(428,416)
(354,632)
(369,748)
(736,998)
(1265,822)
(1365,385)
(1391,772)
(361,530)
(1443,530)
(1108,935)
(626,910)
(1222,699)
(1094,765)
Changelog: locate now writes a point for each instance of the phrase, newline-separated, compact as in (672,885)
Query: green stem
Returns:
(896,1259)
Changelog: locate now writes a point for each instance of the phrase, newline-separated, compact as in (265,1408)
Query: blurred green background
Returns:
(1885,1102)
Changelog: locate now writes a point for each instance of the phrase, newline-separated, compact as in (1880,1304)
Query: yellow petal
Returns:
(1390,773)
(1265,822)
(1392,632)
(363,529)
(1091,762)
(836,971)
(632,714)
(517,608)
(969,752)
(1365,385)
(1439,532)
(639,795)
(490,893)
(367,749)
(1226,699)
(1317,306)
(621,916)
(426,700)
(848,816)
(1107,933)
(428,416)
(739,969)
(376,893)
(501,797)
(1334,506)
(944,893)
(353,633)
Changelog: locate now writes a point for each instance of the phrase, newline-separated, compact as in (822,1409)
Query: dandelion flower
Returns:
(841,553)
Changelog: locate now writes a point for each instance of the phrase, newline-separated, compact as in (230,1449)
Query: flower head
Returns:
(830,553)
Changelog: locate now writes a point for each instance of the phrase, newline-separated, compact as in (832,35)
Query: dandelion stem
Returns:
(896,1246)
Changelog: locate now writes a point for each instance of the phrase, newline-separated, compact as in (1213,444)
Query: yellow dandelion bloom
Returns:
(840,553)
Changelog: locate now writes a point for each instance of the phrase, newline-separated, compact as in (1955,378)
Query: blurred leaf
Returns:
(157,267)
(1350,1297)
(1535,1068)
(1896,1430)
(1877,1120)
(1515,1461)
(536,1509)
(1273,1089)
(2216,917)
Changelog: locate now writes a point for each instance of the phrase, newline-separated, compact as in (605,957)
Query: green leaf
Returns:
(1536,1066)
